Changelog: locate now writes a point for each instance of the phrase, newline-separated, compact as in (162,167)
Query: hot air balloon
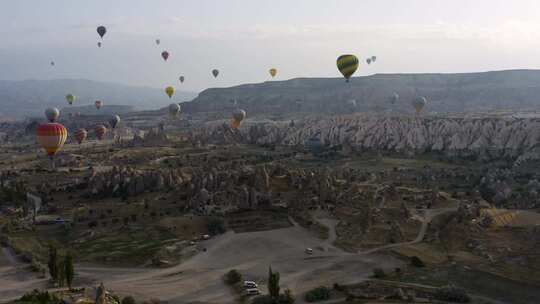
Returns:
(273,72)
(80,135)
(99,44)
(394,98)
(215,72)
(368,61)
(373,58)
(419,103)
(98,104)
(101,30)
(237,116)
(114,120)
(52,63)
(70,98)
(182,78)
(170,91)
(347,65)
(52,114)
(100,131)
(51,136)
(174,109)
(158,41)
(165,55)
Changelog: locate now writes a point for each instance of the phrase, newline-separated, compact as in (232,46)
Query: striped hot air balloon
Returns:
(80,135)
(100,131)
(51,136)
(347,65)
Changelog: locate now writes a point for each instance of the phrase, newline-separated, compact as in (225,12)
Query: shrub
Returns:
(378,273)
(216,225)
(233,277)
(318,294)
(453,294)
(417,262)
(128,300)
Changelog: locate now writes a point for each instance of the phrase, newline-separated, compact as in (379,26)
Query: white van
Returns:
(250,284)
(252,291)
(309,251)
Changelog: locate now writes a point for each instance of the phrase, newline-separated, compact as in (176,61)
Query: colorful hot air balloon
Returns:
(101,30)
(70,98)
(174,109)
(52,114)
(347,65)
(237,116)
(80,135)
(182,78)
(100,130)
(51,136)
(99,44)
(273,72)
(215,72)
(419,103)
(368,61)
(115,119)
(169,91)
(165,55)
(158,41)
(98,104)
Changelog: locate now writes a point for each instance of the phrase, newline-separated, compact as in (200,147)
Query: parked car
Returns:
(309,251)
(250,284)
(252,291)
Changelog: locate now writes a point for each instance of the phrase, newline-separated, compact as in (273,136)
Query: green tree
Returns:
(233,277)
(273,285)
(69,270)
(61,273)
(53,262)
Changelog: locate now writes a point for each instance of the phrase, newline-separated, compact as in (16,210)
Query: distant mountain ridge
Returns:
(446,93)
(30,97)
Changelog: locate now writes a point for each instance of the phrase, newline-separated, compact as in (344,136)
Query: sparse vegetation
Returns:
(317,294)
(453,294)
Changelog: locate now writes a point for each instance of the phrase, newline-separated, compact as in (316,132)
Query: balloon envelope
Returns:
(182,78)
(169,91)
(273,72)
(51,137)
(174,109)
(115,119)
(101,30)
(80,135)
(347,65)
(215,72)
(100,130)
(52,114)
(238,115)
(70,98)
(419,103)
(158,41)
(368,61)
(165,55)
(98,104)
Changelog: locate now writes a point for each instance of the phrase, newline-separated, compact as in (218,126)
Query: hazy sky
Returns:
(244,38)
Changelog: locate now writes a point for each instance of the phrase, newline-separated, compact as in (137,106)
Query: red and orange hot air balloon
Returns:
(51,136)
(100,131)
(80,135)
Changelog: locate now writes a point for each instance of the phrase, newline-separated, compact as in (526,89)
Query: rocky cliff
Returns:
(484,137)
(515,89)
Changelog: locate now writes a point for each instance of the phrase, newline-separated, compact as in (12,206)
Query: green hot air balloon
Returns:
(70,98)
(347,65)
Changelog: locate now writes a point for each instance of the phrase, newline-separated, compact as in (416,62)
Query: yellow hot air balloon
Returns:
(347,65)
(273,72)
(170,91)
(70,98)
